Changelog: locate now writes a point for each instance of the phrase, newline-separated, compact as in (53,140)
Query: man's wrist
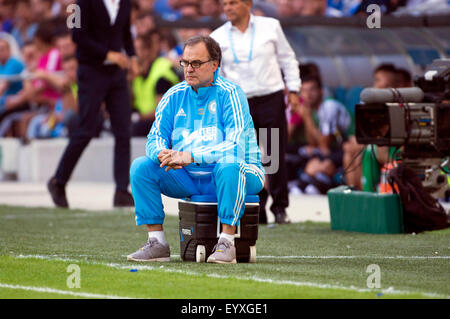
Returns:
(191,158)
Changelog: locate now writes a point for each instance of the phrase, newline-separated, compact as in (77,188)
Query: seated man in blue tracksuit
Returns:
(202,142)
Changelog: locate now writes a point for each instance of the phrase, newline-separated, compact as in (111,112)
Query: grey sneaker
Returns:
(153,250)
(224,253)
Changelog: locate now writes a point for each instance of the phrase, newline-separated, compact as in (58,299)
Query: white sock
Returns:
(158,235)
(228,237)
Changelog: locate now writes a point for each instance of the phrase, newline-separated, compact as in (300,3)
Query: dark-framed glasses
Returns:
(195,64)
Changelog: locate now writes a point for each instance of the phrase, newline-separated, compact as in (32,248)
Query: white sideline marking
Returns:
(335,257)
(61,292)
(162,267)
(354,257)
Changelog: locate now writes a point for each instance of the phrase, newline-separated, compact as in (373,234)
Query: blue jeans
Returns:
(231,182)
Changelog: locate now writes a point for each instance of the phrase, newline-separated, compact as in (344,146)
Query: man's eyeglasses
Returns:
(195,64)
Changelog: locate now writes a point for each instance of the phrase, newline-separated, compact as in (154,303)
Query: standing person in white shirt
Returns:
(255,54)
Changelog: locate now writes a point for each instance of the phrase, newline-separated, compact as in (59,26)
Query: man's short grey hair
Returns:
(214,51)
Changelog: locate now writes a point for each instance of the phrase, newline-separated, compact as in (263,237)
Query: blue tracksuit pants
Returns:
(231,182)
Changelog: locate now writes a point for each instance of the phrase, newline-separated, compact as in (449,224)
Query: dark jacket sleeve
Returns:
(82,36)
(127,37)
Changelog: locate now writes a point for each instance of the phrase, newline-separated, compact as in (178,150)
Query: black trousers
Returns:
(97,85)
(269,112)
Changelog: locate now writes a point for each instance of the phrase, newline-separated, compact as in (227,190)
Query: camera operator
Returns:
(373,159)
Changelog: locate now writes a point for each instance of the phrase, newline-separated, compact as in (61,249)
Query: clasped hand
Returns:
(172,159)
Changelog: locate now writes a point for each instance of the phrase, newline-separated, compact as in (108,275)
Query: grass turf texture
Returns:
(303,260)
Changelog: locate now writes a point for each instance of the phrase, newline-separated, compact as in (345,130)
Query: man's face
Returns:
(146,5)
(23,11)
(313,7)
(70,69)
(284,8)
(310,93)
(297,6)
(203,75)
(210,8)
(141,52)
(235,10)
(30,56)
(189,11)
(40,8)
(384,80)
(144,25)
(66,46)
(144,53)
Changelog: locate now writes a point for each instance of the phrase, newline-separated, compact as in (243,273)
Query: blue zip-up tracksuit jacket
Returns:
(215,126)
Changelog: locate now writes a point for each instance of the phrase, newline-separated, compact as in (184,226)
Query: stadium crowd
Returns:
(38,76)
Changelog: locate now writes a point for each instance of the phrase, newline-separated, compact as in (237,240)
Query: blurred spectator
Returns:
(189,10)
(211,9)
(404,79)
(346,7)
(30,57)
(265,9)
(24,27)
(42,9)
(384,76)
(68,85)
(59,8)
(318,8)
(21,101)
(156,76)
(285,8)
(43,93)
(183,34)
(7,15)
(135,11)
(49,62)
(10,70)
(322,127)
(172,41)
(297,6)
(311,69)
(13,46)
(378,160)
(62,119)
(37,91)
(166,9)
(145,23)
(386,6)
(424,7)
(146,5)
(65,44)
(171,49)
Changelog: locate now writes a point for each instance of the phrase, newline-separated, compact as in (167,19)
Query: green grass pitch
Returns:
(301,260)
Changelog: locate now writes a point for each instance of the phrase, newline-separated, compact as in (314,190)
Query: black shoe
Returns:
(58,193)
(123,199)
(282,218)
